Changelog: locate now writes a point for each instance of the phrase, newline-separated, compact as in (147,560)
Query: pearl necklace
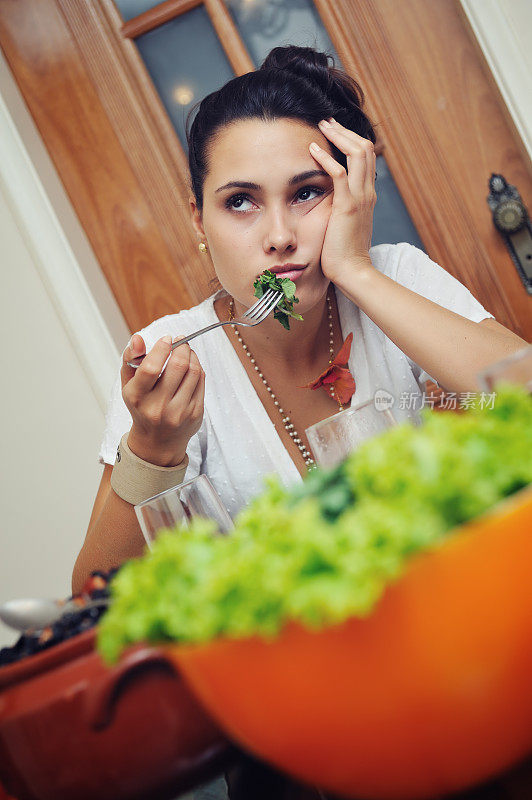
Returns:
(287,422)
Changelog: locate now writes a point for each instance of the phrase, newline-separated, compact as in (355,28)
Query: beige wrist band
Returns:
(134,480)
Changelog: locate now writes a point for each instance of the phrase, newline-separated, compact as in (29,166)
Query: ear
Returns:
(195,217)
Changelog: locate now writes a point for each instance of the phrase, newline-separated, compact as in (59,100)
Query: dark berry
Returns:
(99,594)
(70,620)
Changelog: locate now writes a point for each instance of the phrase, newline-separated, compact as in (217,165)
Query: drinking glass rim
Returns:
(502,363)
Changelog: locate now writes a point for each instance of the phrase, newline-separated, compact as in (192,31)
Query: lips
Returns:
(286,268)
(292,274)
(291,271)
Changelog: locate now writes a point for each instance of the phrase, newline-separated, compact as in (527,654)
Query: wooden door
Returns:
(442,127)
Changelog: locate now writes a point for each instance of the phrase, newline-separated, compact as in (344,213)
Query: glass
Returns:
(133,8)
(265,24)
(332,439)
(391,221)
(178,505)
(516,368)
(186,62)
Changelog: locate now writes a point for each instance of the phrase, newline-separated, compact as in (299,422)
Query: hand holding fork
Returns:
(165,397)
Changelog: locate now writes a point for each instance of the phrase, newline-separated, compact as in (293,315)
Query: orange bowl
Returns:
(428,695)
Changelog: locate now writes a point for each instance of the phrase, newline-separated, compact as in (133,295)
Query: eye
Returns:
(234,199)
(239,198)
(315,189)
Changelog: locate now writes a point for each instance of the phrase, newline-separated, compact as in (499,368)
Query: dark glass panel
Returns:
(186,62)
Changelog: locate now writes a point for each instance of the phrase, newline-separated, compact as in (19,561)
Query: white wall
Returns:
(52,423)
(61,335)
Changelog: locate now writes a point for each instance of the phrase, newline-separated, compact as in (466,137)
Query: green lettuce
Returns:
(325,550)
(285,308)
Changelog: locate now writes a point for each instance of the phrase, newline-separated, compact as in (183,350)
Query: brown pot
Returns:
(70,727)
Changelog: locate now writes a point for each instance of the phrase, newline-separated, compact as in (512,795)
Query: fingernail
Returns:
(130,343)
(314,147)
(324,123)
(167,339)
(331,119)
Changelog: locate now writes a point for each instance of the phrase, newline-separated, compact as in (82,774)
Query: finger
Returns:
(356,137)
(369,150)
(357,150)
(197,400)
(369,184)
(188,385)
(136,347)
(147,375)
(336,129)
(357,142)
(360,141)
(174,373)
(342,195)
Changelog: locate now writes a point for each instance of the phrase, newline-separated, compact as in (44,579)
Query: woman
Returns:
(274,186)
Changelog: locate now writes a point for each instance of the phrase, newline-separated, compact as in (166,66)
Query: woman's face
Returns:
(281,220)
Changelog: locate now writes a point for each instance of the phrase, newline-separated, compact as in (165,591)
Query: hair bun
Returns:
(306,62)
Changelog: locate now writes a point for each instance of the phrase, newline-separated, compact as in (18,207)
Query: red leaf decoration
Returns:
(337,374)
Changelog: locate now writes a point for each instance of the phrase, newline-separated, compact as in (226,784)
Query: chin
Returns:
(310,295)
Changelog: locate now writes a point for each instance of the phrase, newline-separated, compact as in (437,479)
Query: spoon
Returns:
(30,613)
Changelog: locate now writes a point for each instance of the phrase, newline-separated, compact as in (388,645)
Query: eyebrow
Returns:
(302,176)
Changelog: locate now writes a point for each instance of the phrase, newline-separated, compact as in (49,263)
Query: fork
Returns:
(253,316)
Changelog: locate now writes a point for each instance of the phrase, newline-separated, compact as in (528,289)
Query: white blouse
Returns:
(237,444)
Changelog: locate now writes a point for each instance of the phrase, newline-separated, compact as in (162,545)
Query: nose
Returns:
(279,232)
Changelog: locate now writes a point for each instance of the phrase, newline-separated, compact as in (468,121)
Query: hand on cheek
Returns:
(348,235)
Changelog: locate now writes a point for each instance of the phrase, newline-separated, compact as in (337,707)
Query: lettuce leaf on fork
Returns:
(285,308)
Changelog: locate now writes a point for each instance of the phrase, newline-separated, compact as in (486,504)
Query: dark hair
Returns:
(293,82)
